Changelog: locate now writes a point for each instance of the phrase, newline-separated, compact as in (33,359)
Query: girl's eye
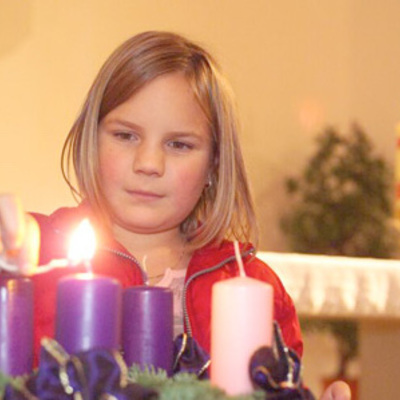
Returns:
(126,136)
(179,145)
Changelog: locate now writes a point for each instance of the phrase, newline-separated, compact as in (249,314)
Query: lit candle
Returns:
(16,325)
(147,327)
(241,322)
(88,305)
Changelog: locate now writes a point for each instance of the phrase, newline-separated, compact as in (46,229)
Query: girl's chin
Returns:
(146,228)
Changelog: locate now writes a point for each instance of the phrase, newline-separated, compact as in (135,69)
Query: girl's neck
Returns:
(138,243)
(156,252)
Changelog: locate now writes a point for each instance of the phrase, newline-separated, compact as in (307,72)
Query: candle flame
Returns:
(82,244)
(239,259)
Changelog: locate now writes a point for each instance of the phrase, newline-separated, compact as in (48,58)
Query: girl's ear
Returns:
(209,181)
(214,162)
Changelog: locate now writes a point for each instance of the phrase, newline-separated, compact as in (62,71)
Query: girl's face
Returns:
(155,154)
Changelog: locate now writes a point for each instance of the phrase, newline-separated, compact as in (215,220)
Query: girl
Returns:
(160,174)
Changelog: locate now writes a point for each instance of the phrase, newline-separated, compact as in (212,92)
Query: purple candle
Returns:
(147,327)
(16,325)
(88,312)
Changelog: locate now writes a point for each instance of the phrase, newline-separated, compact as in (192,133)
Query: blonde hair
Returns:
(225,209)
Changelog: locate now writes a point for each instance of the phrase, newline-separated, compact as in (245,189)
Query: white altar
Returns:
(364,289)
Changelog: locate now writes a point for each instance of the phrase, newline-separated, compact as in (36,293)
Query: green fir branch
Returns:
(183,386)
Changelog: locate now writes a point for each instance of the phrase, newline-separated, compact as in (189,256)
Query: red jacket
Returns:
(207,266)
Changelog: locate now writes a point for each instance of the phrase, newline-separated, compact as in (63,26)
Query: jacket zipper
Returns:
(186,318)
(128,257)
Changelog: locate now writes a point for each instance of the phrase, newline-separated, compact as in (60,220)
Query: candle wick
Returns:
(239,259)
(146,274)
(88,266)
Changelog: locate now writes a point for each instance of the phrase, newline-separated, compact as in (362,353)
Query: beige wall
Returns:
(295,66)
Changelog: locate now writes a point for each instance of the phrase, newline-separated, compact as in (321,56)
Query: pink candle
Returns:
(241,322)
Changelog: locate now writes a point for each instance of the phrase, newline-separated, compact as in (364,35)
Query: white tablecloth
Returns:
(339,286)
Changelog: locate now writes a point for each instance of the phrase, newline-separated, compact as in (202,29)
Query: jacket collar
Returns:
(214,254)
(66,219)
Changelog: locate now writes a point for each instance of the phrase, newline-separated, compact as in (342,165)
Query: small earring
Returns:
(209,183)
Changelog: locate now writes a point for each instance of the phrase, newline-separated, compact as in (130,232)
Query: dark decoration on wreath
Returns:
(190,357)
(101,374)
(277,371)
(91,375)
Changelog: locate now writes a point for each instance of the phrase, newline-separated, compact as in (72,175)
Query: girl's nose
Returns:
(149,159)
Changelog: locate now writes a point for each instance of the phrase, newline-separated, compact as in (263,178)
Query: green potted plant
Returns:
(342,205)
